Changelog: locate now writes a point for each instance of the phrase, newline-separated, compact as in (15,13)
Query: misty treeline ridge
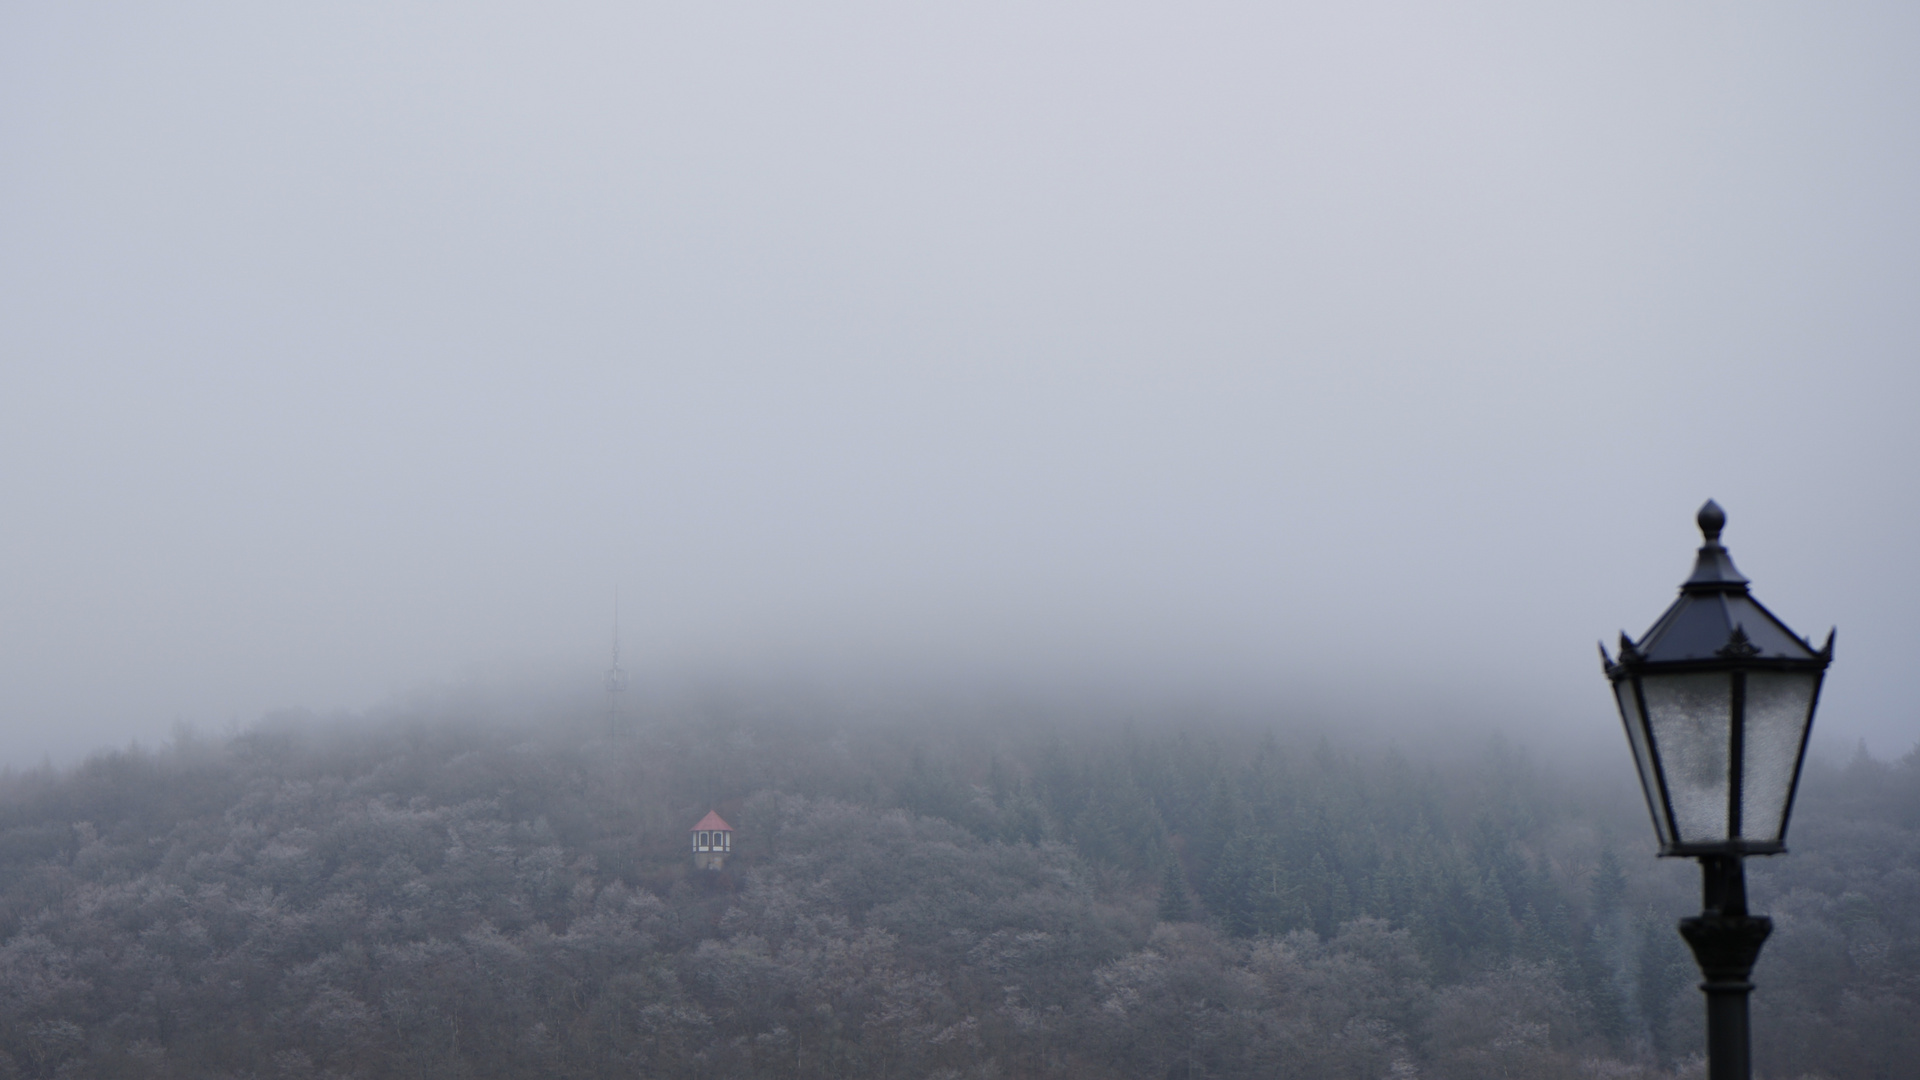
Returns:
(983,892)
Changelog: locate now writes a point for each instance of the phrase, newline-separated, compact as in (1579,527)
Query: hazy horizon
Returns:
(1367,358)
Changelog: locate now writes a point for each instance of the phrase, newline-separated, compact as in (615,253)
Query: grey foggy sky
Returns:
(1369,354)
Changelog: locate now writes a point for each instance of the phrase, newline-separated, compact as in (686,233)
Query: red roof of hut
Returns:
(711,821)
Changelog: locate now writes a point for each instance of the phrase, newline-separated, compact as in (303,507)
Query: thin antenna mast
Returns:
(616,677)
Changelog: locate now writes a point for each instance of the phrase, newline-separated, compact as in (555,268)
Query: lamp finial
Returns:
(1712,519)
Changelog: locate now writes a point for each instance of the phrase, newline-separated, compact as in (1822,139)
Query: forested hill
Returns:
(417,896)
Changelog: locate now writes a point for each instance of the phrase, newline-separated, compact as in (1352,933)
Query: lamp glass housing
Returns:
(1690,723)
(1779,714)
(1628,693)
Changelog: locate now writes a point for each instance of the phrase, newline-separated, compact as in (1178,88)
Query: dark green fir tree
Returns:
(1174,904)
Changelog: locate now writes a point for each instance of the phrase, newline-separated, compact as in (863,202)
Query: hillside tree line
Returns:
(418,895)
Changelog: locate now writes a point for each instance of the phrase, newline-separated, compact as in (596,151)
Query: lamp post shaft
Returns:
(1726,941)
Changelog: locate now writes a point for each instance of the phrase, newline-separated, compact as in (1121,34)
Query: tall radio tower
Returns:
(616,678)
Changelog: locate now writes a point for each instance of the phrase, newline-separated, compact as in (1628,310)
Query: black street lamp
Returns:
(1717,699)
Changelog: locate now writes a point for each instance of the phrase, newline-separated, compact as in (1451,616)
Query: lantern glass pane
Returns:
(1779,706)
(1637,736)
(1690,716)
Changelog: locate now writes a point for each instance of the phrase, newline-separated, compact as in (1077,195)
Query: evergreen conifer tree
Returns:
(1174,904)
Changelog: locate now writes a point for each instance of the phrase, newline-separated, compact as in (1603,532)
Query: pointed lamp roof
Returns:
(1716,616)
(712,821)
